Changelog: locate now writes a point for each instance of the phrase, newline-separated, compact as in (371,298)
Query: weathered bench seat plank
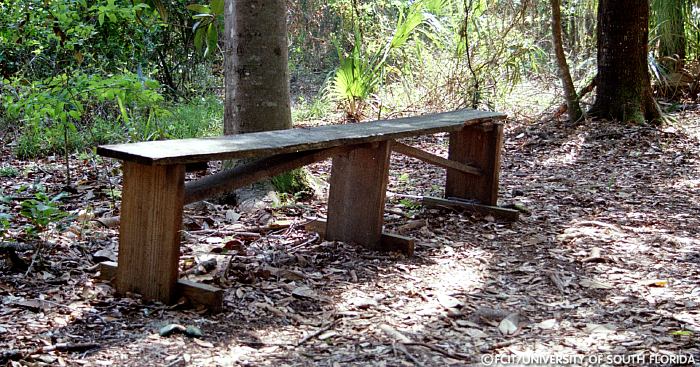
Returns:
(289,141)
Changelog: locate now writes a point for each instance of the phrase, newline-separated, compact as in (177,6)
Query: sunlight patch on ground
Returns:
(568,153)
(442,283)
(691,183)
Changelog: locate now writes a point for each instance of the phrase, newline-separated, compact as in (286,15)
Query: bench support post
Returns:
(357,193)
(479,145)
(149,237)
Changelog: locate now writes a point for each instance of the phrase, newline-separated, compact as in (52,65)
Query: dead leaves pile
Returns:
(604,260)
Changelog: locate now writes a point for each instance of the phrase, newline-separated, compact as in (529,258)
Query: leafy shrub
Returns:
(51,110)
(41,211)
(361,72)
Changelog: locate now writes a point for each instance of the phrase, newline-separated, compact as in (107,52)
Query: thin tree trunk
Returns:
(623,81)
(572,101)
(255,66)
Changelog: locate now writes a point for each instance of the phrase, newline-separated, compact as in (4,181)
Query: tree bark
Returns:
(256,74)
(572,100)
(623,82)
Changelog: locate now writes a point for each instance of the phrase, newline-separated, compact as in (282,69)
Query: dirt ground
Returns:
(603,266)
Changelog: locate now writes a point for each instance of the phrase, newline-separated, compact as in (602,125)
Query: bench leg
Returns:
(479,145)
(357,194)
(149,236)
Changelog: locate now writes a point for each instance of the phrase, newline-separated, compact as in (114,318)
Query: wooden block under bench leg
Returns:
(197,293)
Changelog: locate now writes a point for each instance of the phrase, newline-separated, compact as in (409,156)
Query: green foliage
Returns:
(68,64)
(669,18)
(41,211)
(686,333)
(692,29)
(304,110)
(410,204)
(198,118)
(209,20)
(362,71)
(5,216)
(201,117)
(9,171)
(52,109)
(441,54)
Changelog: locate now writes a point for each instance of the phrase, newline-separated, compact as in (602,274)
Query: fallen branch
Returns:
(434,348)
(315,334)
(16,355)
(15,246)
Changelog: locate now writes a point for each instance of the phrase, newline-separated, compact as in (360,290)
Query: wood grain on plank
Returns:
(357,193)
(149,234)
(481,146)
(434,159)
(269,143)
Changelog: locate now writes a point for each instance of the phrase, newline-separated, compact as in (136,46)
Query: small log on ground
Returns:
(507,214)
(197,293)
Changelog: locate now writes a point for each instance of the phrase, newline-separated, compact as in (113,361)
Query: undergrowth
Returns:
(197,118)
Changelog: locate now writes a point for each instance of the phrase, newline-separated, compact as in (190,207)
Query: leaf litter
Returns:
(605,259)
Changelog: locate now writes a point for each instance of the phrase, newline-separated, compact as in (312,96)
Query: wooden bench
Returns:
(154,189)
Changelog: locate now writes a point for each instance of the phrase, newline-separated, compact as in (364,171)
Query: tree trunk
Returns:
(257,78)
(623,82)
(572,101)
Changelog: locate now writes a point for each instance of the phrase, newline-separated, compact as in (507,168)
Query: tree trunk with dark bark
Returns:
(257,78)
(623,82)
(572,99)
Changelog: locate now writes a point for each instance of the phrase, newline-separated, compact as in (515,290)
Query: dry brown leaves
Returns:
(606,262)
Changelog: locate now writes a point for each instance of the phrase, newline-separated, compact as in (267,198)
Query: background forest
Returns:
(77,73)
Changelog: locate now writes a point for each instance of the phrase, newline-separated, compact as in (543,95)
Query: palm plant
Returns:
(360,73)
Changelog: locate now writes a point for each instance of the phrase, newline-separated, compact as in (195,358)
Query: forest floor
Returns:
(603,265)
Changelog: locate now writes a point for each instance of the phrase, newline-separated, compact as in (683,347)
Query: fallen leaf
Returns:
(594,284)
(194,332)
(304,292)
(654,283)
(547,324)
(600,328)
(363,302)
(171,329)
(448,301)
(509,325)
(475,333)
(202,343)
(327,335)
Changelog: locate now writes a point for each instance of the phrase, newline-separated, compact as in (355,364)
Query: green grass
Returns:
(304,110)
(198,118)
(9,171)
(204,117)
